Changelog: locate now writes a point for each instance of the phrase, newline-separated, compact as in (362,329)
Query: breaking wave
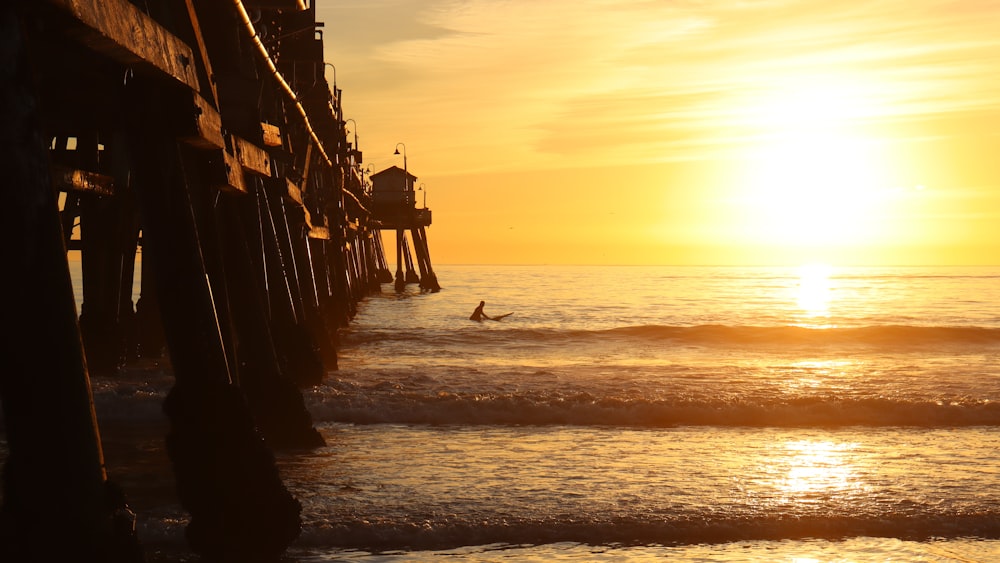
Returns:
(891,336)
(663,529)
(386,404)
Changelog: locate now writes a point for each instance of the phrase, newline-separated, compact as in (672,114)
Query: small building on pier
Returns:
(394,207)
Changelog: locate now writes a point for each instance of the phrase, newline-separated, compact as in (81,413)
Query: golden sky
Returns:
(684,132)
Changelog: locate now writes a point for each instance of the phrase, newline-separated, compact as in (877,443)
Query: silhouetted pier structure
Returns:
(394,207)
(205,132)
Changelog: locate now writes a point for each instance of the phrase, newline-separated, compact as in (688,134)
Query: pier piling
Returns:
(55,457)
(207,142)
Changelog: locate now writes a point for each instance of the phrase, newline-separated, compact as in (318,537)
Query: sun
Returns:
(812,176)
(816,187)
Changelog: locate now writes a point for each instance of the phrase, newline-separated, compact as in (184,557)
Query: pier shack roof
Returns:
(392,180)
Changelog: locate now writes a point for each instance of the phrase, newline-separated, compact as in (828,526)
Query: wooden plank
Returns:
(272,135)
(251,157)
(126,34)
(204,131)
(66,179)
(306,167)
(321,232)
(226,174)
(234,173)
(202,50)
(294,193)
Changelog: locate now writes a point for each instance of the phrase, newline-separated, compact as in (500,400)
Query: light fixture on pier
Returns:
(355,131)
(406,181)
(334,75)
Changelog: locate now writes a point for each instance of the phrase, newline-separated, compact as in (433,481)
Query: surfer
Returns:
(479,315)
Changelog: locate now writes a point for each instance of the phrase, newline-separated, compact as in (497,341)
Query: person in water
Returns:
(478,314)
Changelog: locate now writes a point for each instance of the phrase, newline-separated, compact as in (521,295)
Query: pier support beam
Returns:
(328,308)
(276,402)
(372,262)
(149,338)
(384,275)
(226,476)
(296,349)
(57,502)
(428,280)
(340,288)
(109,231)
(320,326)
(411,272)
(400,282)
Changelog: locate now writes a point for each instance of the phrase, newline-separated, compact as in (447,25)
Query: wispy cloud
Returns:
(491,84)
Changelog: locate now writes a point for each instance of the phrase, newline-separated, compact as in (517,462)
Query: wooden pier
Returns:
(204,133)
(394,207)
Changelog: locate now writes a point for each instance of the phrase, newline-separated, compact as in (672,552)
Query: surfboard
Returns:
(497,318)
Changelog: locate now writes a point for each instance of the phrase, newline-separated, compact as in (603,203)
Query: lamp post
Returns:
(406,175)
(335,101)
(355,129)
(400,237)
(334,75)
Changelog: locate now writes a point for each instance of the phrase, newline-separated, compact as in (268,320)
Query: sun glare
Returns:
(813,178)
(813,295)
(814,468)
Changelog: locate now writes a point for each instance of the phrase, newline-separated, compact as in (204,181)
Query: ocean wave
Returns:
(710,335)
(660,529)
(896,335)
(585,409)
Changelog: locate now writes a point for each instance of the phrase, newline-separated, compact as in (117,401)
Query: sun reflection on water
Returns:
(814,290)
(801,476)
(811,375)
(816,469)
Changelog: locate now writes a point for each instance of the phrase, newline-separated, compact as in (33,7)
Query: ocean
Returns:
(622,413)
